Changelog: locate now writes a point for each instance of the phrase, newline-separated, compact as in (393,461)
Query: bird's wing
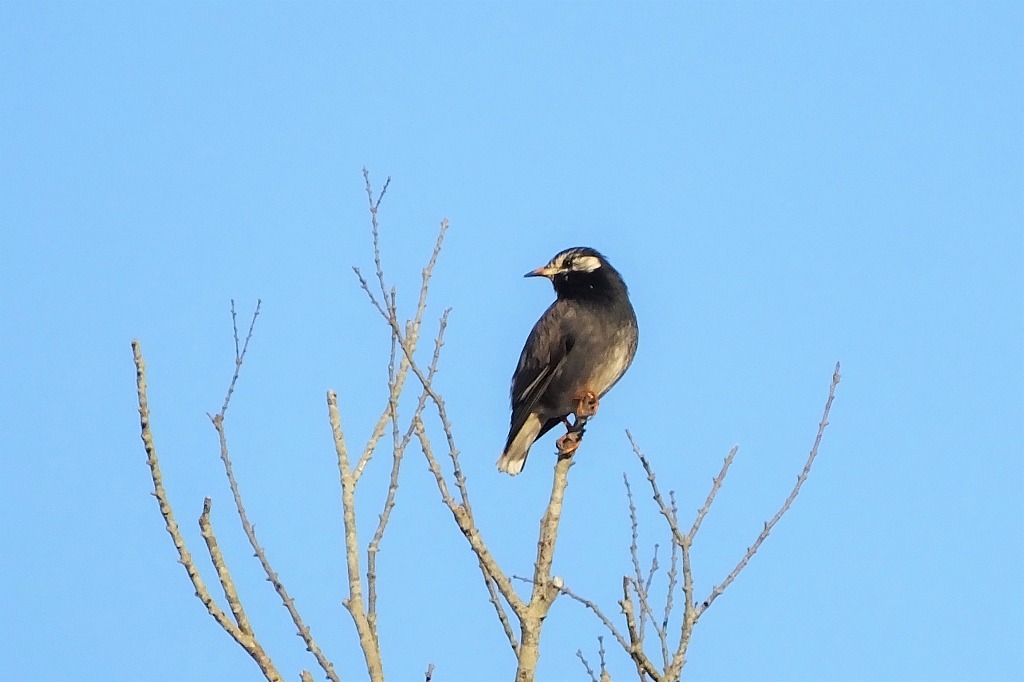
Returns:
(546,350)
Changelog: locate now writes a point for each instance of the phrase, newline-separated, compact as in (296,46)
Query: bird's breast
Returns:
(613,361)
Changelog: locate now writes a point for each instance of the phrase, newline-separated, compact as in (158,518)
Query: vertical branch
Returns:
(670,591)
(641,585)
(634,554)
(494,579)
(545,589)
(605,677)
(690,615)
(354,602)
(396,383)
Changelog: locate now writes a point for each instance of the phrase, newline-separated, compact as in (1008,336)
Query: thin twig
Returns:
(492,592)
(605,677)
(375,232)
(752,550)
(586,666)
(716,483)
(634,553)
(673,575)
(239,354)
(665,509)
(597,612)
(637,653)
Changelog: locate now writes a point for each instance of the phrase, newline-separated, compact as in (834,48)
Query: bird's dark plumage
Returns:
(582,344)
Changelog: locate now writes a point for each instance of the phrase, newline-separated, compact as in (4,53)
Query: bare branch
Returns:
(396,383)
(635,646)
(409,350)
(239,354)
(665,509)
(752,550)
(586,666)
(641,584)
(246,641)
(396,380)
(398,453)
(690,615)
(634,554)
(250,532)
(354,602)
(467,525)
(673,575)
(599,613)
(605,677)
(226,581)
(375,231)
(716,483)
(406,339)
(545,588)
(492,591)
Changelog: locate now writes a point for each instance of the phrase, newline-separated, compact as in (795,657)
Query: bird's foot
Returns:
(586,405)
(568,443)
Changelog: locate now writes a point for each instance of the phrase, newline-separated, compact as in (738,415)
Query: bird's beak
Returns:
(542,272)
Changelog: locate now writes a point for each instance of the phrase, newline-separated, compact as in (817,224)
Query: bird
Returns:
(578,349)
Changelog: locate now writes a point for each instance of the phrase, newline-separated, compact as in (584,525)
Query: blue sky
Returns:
(782,185)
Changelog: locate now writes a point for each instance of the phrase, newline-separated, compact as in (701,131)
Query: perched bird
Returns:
(576,352)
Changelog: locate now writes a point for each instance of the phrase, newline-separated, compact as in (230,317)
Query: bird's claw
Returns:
(568,443)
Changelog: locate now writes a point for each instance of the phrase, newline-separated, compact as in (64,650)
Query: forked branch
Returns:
(244,638)
(635,606)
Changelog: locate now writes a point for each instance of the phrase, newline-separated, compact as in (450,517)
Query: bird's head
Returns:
(580,270)
(579,259)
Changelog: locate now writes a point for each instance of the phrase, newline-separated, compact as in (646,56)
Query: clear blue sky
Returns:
(782,185)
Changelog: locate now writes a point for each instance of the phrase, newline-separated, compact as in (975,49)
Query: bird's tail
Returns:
(513,459)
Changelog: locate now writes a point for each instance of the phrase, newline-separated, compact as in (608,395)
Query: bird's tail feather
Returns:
(513,459)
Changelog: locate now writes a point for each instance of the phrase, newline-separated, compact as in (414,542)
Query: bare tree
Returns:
(521,616)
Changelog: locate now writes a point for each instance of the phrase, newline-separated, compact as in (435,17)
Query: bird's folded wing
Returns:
(545,352)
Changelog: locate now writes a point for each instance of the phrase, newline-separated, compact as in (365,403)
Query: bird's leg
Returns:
(586,407)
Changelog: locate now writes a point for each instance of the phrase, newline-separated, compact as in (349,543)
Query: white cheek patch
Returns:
(586,263)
